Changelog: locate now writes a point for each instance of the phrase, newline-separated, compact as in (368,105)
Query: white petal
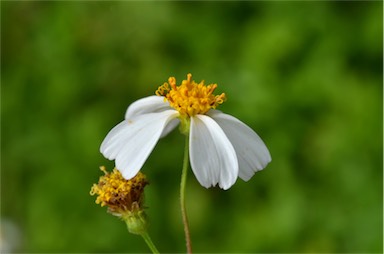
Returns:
(213,158)
(131,141)
(170,127)
(114,139)
(150,104)
(251,151)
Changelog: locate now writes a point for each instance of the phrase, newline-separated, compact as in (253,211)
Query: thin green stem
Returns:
(182,195)
(149,242)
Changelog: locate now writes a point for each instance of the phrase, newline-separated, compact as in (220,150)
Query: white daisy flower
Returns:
(221,147)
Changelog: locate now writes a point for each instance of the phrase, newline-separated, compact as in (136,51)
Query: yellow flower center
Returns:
(190,98)
(119,194)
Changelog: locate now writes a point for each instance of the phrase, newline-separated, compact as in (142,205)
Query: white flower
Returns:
(221,147)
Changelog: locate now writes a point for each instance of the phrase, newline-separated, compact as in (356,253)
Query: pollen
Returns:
(190,98)
(119,194)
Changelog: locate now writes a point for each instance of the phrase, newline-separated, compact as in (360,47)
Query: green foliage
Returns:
(306,76)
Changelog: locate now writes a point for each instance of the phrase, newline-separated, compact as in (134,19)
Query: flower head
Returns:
(120,195)
(222,148)
(124,198)
(190,98)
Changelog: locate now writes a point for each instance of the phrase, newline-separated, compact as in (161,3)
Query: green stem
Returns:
(149,242)
(182,195)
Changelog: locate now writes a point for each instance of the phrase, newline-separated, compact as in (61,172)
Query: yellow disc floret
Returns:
(190,98)
(119,194)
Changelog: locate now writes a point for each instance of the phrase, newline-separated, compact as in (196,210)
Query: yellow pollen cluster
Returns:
(190,98)
(119,194)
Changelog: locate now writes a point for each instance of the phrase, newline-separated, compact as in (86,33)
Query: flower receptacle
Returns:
(185,123)
(136,220)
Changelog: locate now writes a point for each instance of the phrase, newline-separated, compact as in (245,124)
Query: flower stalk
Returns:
(149,242)
(137,224)
(182,195)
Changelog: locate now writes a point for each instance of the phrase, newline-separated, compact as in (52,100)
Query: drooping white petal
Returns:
(213,158)
(131,141)
(114,140)
(150,104)
(251,151)
(170,127)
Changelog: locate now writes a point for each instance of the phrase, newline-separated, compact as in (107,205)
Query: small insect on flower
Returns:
(221,147)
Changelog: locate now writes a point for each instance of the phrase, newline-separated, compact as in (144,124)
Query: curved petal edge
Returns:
(131,141)
(252,153)
(213,158)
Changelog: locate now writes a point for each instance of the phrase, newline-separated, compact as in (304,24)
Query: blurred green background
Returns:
(306,76)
